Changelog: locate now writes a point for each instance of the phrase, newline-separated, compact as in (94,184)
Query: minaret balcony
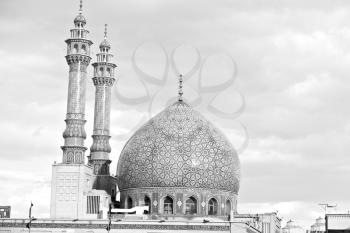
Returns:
(76,58)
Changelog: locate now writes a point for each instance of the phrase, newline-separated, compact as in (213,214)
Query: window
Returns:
(129,203)
(212,207)
(93,204)
(191,206)
(75,48)
(83,49)
(168,205)
(147,202)
(228,207)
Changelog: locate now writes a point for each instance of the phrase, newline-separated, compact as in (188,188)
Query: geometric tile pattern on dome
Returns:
(179,148)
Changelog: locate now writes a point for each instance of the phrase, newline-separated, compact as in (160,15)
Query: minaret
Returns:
(103,80)
(78,59)
(72,179)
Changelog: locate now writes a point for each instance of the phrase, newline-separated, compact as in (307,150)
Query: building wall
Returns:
(69,185)
(270,223)
(99,226)
(338,223)
(266,223)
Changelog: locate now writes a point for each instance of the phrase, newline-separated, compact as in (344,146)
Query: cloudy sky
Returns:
(293,70)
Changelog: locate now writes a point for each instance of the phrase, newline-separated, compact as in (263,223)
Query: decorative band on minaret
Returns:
(78,58)
(103,80)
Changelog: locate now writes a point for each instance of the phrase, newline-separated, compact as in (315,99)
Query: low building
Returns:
(265,223)
(338,223)
(292,227)
(319,226)
(5,211)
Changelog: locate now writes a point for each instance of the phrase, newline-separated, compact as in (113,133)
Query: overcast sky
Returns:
(293,70)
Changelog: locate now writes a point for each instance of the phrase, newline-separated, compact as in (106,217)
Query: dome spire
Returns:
(105,45)
(80,20)
(180,87)
(81,7)
(105,31)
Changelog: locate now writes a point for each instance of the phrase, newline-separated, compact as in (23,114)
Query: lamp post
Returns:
(31,219)
(108,228)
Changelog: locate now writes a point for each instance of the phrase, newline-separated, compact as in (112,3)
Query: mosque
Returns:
(177,164)
(177,173)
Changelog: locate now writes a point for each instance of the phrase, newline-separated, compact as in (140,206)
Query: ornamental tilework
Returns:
(179,196)
(179,148)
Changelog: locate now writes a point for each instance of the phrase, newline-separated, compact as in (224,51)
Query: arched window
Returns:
(228,207)
(113,194)
(70,157)
(212,207)
(108,72)
(75,48)
(129,203)
(191,205)
(147,202)
(83,49)
(168,205)
(101,71)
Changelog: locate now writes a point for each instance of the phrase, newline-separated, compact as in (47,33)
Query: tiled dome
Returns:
(179,148)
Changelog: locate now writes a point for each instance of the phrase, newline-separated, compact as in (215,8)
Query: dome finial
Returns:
(105,45)
(105,31)
(81,7)
(180,87)
(80,20)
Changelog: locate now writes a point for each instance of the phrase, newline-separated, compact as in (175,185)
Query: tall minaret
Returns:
(71,179)
(103,80)
(78,59)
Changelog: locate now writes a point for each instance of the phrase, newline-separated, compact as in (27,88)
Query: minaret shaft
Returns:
(76,88)
(102,109)
(100,148)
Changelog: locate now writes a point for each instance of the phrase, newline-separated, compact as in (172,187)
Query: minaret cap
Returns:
(105,43)
(80,18)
